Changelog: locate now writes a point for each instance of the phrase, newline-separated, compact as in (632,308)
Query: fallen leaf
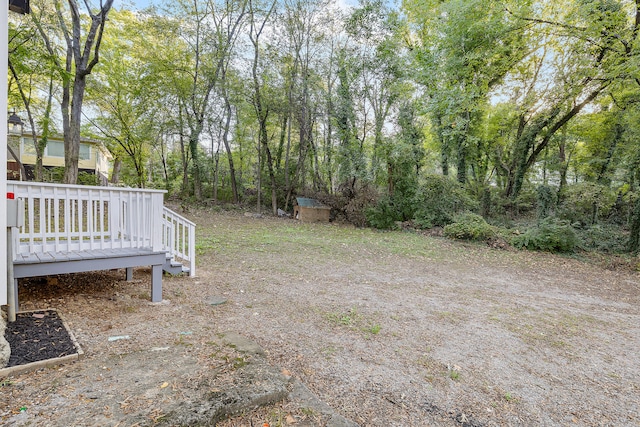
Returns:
(290,420)
(164,384)
(286,373)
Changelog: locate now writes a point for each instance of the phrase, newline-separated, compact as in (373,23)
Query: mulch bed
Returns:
(36,336)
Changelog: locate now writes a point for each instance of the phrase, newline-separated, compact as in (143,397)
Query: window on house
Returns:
(55,149)
(85,152)
(28,147)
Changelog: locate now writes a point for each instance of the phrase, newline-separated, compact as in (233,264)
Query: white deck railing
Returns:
(68,218)
(179,238)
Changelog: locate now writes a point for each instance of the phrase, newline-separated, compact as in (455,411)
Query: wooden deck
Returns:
(72,229)
(51,263)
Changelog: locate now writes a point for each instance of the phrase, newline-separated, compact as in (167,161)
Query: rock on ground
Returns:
(5,351)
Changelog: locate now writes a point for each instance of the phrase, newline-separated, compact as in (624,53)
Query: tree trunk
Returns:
(195,157)
(44,137)
(72,139)
(262,112)
(227,147)
(634,236)
(115,173)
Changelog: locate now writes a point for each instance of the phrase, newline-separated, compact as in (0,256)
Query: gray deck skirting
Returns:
(50,263)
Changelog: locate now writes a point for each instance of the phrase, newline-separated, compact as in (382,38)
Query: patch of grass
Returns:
(353,319)
(555,329)
(130,309)
(319,241)
(207,244)
(344,319)
(375,329)
(239,362)
(454,374)
(451,316)
(329,352)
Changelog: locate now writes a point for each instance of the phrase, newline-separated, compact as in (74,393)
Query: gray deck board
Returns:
(51,263)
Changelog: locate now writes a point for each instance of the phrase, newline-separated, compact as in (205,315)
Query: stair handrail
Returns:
(179,238)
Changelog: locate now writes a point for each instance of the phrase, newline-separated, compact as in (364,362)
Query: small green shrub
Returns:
(56,174)
(438,200)
(603,238)
(469,226)
(550,235)
(87,178)
(383,215)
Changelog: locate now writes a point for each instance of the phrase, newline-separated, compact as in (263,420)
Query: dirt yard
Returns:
(389,329)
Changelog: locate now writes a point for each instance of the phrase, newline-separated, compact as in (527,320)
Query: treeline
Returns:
(524,113)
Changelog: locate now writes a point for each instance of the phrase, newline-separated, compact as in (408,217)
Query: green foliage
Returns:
(523,204)
(383,215)
(545,200)
(586,203)
(469,226)
(56,174)
(550,235)
(634,237)
(602,238)
(438,200)
(88,178)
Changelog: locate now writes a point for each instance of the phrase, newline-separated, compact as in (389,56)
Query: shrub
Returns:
(550,235)
(603,238)
(586,203)
(438,200)
(383,215)
(545,200)
(469,226)
(87,178)
(350,203)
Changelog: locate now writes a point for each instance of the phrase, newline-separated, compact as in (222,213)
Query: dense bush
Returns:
(603,238)
(87,178)
(383,215)
(545,200)
(438,200)
(586,203)
(551,235)
(469,226)
(350,203)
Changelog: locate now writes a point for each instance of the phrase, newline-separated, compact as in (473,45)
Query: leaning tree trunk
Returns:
(227,147)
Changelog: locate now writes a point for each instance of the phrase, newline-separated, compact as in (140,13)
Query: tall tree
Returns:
(80,57)
(593,45)
(204,33)
(257,21)
(466,49)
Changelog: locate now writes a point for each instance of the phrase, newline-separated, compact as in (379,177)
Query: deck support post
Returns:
(156,283)
(12,284)
(129,274)
(14,302)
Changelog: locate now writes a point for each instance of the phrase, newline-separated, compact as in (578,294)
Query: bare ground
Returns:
(389,329)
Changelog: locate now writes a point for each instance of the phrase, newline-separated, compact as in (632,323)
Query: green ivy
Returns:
(469,226)
(550,235)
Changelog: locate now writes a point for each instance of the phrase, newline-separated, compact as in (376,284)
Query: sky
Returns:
(141,4)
